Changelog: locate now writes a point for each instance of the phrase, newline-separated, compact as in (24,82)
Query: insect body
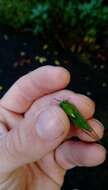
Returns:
(77,119)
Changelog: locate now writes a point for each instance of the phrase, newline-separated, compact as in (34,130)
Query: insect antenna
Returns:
(58,100)
(92,134)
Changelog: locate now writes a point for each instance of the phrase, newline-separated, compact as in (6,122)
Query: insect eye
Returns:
(73,115)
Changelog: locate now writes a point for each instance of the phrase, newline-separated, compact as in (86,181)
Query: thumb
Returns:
(33,139)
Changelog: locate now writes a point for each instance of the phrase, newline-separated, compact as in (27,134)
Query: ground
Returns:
(22,52)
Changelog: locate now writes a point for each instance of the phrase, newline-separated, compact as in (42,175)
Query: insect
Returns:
(77,119)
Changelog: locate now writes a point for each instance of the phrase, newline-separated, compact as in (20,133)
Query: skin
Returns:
(35,150)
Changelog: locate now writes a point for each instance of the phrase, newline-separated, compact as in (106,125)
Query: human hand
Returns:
(35,150)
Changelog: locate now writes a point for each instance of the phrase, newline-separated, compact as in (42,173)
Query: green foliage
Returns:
(40,17)
(15,13)
(78,21)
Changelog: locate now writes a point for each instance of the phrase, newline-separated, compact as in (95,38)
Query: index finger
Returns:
(34,85)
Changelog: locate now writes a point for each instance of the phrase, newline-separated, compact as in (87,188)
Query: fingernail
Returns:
(101,132)
(99,123)
(51,124)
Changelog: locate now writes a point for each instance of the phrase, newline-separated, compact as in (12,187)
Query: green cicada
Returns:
(77,119)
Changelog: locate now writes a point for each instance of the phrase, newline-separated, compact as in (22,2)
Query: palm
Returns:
(35,176)
(45,170)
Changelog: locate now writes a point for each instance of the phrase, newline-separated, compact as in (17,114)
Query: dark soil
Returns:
(22,52)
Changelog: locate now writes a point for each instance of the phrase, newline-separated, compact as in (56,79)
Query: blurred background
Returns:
(68,33)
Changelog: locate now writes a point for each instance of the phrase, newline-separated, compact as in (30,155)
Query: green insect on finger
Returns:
(77,119)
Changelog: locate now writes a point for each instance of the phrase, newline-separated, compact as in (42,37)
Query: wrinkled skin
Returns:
(35,146)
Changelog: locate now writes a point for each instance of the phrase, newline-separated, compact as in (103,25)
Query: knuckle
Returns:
(89,101)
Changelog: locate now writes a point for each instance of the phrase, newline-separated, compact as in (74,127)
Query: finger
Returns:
(71,154)
(37,83)
(96,126)
(33,139)
(85,105)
